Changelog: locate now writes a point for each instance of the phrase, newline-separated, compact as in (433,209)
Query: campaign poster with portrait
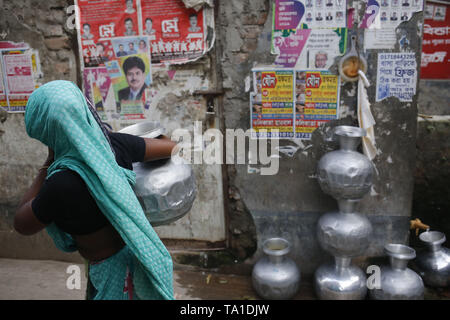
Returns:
(272,107)
(162,32)
(308,48)
(176,33)
(393,12)
(131,78)
(101,20)
(316,100)
(309,14)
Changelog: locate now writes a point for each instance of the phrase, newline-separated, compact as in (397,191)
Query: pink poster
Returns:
(288,48)
(96,86)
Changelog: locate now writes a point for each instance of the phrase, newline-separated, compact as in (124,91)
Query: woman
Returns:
(83,196)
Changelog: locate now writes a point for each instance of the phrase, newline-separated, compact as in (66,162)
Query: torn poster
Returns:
(396,76)
(18,64)
(311,14)
(128,39)
(177,34)
(3,101)
(436,42)
(197,4)
(18,79)
(389,13)
(382,18)
(308,49)
(384,38)
(97,84)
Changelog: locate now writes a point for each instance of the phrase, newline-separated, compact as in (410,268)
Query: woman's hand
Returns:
(158,148)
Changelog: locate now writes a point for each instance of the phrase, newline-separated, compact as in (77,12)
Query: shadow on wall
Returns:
(431,202)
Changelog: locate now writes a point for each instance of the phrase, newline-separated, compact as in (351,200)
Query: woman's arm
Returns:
(159,148)
(25,221)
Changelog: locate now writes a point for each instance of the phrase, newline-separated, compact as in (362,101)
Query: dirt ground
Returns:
(47,280)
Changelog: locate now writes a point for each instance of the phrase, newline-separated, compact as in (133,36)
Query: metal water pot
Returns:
(398,282)
(166,189)
(344,234)
(433,265)
(346,173)
(275,276)
(340,281)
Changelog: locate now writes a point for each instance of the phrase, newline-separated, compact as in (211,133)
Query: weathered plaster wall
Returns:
(290,203)
(41,24)
(431,202)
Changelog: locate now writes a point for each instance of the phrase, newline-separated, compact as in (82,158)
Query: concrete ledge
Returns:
(36,247)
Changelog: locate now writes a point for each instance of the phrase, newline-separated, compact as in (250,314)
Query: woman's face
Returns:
(142,44)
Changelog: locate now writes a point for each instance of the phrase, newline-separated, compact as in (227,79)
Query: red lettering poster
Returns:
(99,22)
(436,41)
(176,33)
(119,40)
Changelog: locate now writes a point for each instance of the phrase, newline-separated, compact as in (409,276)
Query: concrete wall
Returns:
(431,202)
(41,24)
(290,203)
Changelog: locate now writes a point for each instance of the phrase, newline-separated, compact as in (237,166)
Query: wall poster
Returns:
(176,33)
(121,41)
(295,102)
(317,101)
(396,76)
(436,41)
(306,31)
(19,72)
(381,19)
(273,105)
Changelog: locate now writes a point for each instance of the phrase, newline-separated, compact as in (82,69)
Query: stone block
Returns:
(57,43)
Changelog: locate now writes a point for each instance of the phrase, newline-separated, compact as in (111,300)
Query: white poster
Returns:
(385,38)
(396,76)
(19,73)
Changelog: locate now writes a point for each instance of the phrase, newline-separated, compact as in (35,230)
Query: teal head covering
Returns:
(57,114)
